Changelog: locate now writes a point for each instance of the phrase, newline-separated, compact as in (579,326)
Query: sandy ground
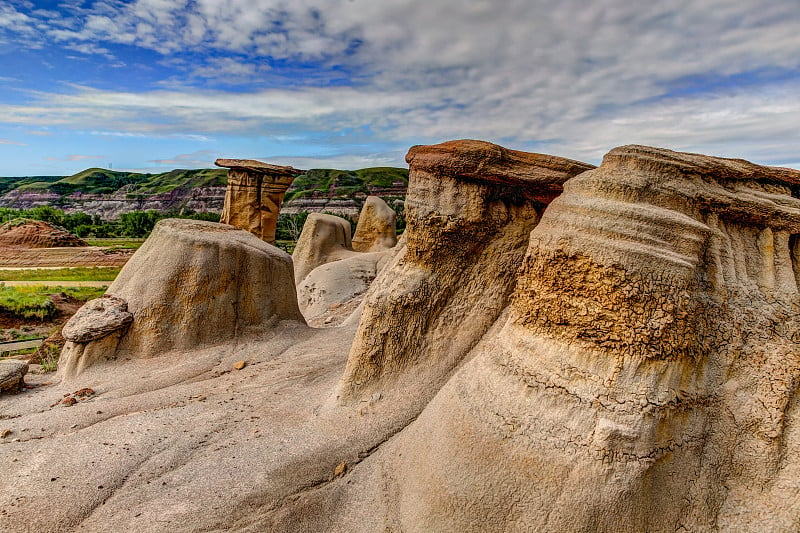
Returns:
(62,257)
(160,441)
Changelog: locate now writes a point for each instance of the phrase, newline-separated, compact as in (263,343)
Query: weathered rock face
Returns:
(469,210)
(376,230)
(645,378)
(27,233)
(254,195)
(12,375)
(192,284)
(97,318)
(324,238)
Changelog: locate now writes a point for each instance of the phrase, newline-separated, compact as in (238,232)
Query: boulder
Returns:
(254,195)
(470,208)
(325,238)
(376,229)
(97,318)
(12,374)
(338,282)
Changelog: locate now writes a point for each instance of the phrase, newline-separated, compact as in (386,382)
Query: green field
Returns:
(61,274)
(120,243)
(34,301)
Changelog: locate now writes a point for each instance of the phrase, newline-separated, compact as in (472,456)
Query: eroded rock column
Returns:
(254,195)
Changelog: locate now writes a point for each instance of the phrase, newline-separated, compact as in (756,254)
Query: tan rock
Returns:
(376,230)
(325,238)
(97,318)
(12,374)
(254,195)
(469,210)
(644,377)
(193,284)
(238,365)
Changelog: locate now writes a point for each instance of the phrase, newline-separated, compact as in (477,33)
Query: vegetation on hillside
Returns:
(344,183)
(103,181)
(133,224)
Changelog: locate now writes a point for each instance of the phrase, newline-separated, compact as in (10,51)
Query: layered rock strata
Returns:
(254,195)
(645,378)
(376,230)
(469,210)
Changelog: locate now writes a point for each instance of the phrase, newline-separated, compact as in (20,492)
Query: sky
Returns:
(152,85)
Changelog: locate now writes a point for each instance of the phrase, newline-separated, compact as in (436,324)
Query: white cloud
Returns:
(569,76)
(14,143)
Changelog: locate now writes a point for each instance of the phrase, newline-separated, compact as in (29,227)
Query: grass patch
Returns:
(34,301)
(62,274)
(26,302)
(121,243)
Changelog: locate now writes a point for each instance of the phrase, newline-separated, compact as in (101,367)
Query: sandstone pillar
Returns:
(254,195)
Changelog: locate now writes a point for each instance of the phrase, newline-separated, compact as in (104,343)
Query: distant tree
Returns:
(138,223)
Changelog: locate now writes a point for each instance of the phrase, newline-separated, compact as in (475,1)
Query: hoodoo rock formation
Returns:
(254,195)
(191,284)
(376,230)
(325,238)
(550,347)
(645,376)
(469,210)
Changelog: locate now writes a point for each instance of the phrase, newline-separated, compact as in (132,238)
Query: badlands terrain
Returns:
(549,346)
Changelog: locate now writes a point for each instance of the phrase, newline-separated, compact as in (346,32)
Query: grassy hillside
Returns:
(345,182)
(7,184)
(103,181)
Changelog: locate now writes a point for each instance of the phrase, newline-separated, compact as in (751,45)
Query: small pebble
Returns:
(238,365)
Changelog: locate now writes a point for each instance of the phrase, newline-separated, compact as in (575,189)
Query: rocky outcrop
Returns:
(191,284)
(622,357)
(469,210)
(325,238)
(376,230)
(27,233)
(254,195)
(97,318)
(645,376)
(12,375)
(92,334)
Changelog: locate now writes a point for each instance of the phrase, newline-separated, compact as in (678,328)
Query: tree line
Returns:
(135,224)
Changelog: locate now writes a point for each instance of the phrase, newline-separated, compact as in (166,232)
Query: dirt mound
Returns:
(26,233)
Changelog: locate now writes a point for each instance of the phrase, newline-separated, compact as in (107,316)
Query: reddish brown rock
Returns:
(254,195)
(27,233)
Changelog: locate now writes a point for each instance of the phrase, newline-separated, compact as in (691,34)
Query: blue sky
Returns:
(161,84)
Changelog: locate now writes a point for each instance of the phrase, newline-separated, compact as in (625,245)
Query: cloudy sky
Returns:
(162,84)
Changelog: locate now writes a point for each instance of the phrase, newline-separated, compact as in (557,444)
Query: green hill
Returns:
(332,182)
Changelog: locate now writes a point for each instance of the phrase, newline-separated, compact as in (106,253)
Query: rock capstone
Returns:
(97,318)
(254,195)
